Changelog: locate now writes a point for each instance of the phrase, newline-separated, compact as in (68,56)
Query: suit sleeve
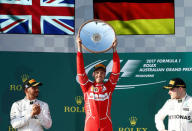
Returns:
(82,76)
(113,78)
(160,116)
(45,117)
(17,119)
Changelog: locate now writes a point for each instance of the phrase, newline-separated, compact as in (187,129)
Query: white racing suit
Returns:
(179,114)
(21,116)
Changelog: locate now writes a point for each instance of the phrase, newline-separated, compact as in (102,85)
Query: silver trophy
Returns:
(97,36)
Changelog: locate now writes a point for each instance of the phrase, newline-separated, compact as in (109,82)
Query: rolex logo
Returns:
(24,77)
(133,120)
(79,100)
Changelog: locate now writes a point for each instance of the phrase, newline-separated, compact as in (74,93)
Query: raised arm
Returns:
(82,76)
(116,66)
(116,60)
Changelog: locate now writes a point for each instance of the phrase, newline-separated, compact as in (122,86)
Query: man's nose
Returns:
(99,73)
(169,92)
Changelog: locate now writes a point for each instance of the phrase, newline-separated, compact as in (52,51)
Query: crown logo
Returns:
(133,120)
(79,100)
(24,77)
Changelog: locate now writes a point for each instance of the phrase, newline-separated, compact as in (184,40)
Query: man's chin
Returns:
(99,81)
(36,95)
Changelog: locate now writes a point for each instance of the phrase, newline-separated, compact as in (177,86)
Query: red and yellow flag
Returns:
(137,16)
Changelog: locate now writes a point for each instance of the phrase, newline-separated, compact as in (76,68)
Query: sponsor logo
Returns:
(94,89)
(24,77)
(128,69)
(10,128)
(132,127)
(104,89)
(180,117)
(133,120)
(79,100)
(186,109)
(15,87)
(18,87)
(98,97)
(76,108)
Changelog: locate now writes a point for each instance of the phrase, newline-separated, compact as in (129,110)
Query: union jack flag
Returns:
(37,16)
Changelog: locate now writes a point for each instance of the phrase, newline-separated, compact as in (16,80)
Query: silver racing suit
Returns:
(21,116)
(179,114)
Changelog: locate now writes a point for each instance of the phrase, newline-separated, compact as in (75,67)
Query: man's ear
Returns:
(25,90)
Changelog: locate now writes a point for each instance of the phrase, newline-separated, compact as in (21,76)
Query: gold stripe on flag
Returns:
(143,26)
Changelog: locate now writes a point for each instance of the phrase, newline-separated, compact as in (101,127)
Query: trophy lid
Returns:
(97,36)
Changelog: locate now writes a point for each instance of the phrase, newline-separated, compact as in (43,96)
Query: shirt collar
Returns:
(98,84)
(183,99)
(30,101)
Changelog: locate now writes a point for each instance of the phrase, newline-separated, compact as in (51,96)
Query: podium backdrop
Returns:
(136,99)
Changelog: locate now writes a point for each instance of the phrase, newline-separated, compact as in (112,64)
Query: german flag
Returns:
(137,16)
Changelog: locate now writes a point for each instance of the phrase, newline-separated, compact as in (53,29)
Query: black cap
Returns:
(100,66)
(31,83)
(175,83)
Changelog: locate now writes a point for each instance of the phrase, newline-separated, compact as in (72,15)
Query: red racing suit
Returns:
(98,97)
